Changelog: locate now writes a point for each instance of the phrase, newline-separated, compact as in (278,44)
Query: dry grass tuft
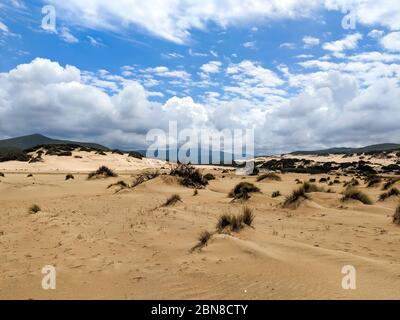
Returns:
(172,200)
(355,194)
(269,176)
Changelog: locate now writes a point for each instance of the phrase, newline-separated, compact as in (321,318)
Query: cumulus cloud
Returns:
(310,41)
(349,103)
(211,67)
(347,43)
(391,41)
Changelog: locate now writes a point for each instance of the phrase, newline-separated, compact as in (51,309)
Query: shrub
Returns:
(203,238)
(223,222)
(396,216)
(34,209)
(242,190)
(322,180)
(189,176)
(209,177)
(236,223)
(276,194)
(146,176)
(195,192)
(392,192)
(1,174)
(172,200)
(30,175)
(69,176)
(352,183)
(103,172)
(373,180)
(296,196)
(269,176)
(120,183)
(352,193)
(312,180)
(310,187)
(389,183)
(247,216)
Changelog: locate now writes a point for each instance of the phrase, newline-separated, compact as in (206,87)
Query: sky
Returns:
(304,74)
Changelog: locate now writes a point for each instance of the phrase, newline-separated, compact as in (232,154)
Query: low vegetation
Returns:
(172,200)
(310,187)
(203,238)
(34,209)
(269,176)
(235,223)
(373,180)
(146,176)
(69,176)
(352,183)
(396,216)
(276,194)
(294,199)
(242,191)
(389,183)
(122,184)
(189,176)
(355,194)
(247,216)
(102,172)
(391,193)
(209,177)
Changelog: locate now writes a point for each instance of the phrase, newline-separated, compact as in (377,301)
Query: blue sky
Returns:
(287,68)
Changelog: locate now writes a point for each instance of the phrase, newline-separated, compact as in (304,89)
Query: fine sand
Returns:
(124,245)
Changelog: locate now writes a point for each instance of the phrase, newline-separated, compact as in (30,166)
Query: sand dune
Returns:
(125,245)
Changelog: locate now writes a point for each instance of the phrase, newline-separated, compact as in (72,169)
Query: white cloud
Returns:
(352,102)
(211,67)
(310,41)
(94,42)
(376,34)
(250,45)
(173,19)
(3,27)
(347,43)
(163,71)
(391,41)
(288,45)
(66,35)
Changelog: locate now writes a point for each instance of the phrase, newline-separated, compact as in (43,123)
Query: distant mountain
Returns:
(368,149)
(25,142)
